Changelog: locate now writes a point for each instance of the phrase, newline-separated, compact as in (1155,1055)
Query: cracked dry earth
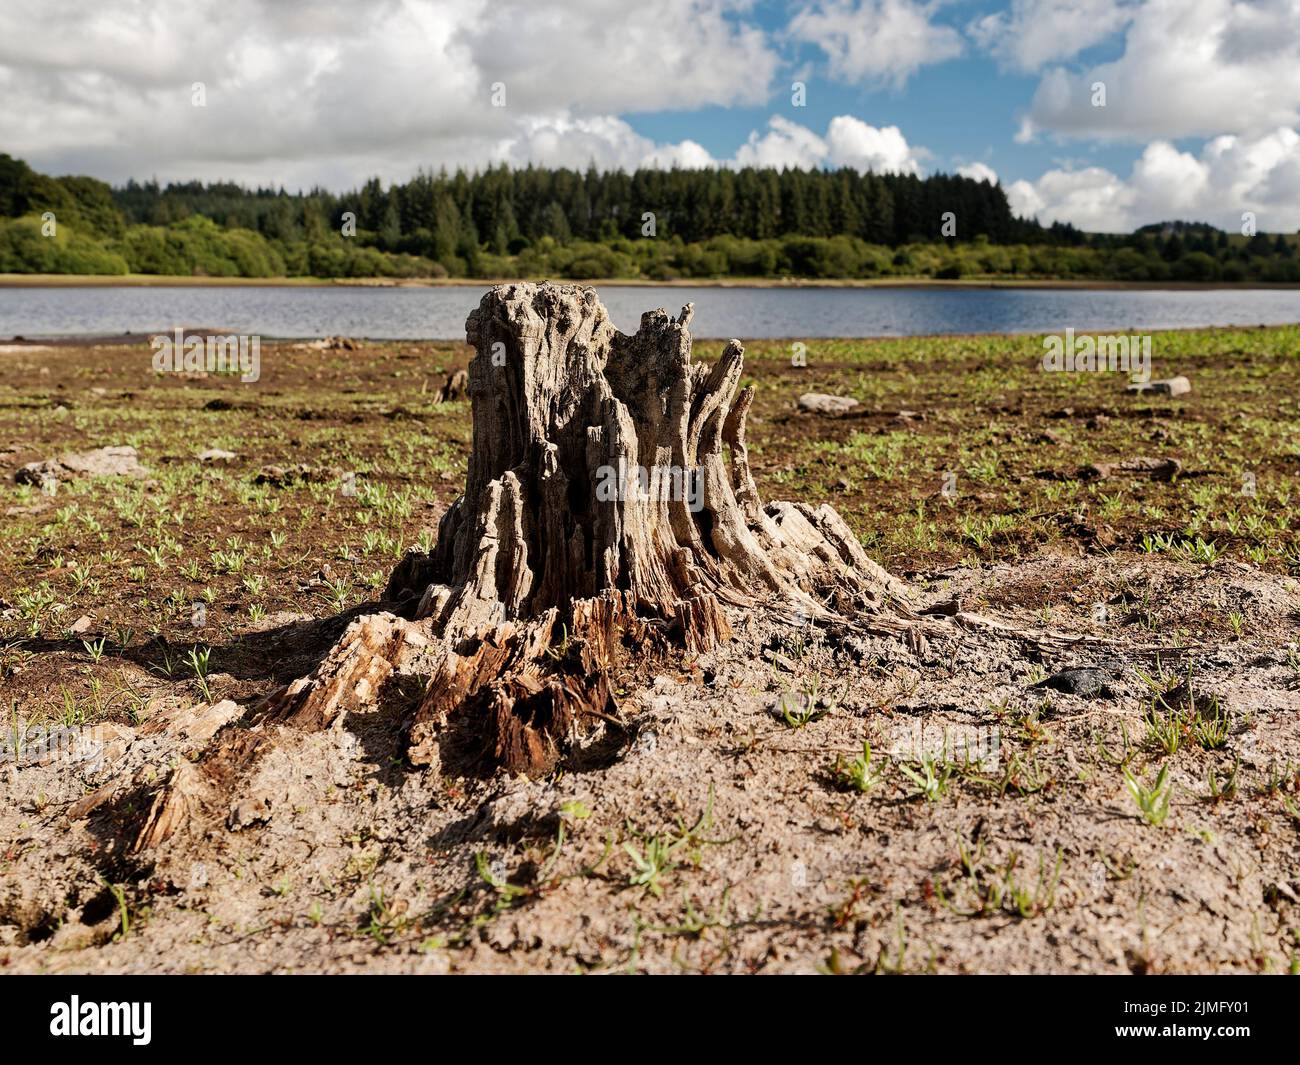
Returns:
(718,829)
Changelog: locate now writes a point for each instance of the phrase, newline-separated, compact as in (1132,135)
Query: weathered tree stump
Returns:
(609,505)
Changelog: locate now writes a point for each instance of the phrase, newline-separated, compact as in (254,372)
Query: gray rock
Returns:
(102,462)
(1142,465)
(1086,682)
(821,403)
(1171,386)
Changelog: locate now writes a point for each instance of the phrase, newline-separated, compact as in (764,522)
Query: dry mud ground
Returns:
(724,826)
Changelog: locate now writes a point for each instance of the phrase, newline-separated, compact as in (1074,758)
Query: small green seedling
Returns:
(1153,802)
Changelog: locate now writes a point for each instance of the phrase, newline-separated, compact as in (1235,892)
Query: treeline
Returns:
(505,211)
(535,222)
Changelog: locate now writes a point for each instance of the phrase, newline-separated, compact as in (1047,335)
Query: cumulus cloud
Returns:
(1033,33)
(612,56)
(1190,68)
(331,91)
(885,150)
(979,172)
(785,144)
(876,41)
(1231,175)
(608,142)
(848,142)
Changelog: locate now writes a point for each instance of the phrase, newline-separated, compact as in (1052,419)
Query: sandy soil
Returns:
(712,834)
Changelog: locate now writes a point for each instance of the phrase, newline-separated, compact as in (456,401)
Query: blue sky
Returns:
(1200,117)
(963,109)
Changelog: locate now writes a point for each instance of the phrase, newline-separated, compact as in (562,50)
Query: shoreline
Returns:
(186,281)
(130,339)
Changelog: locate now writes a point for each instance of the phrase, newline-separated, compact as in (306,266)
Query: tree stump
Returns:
(609,507)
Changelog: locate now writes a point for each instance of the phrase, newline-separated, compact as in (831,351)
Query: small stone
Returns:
(82,625)
(282,477)
(216,454)
(1156,469)
(821,403)
(1170,386)
(1086,682)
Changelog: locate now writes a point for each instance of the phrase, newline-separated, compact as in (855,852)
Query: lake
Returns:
(747,313)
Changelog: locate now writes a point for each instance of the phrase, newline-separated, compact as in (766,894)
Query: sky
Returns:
(1108,114)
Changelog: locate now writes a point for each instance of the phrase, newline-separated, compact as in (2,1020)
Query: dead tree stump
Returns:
(609,505)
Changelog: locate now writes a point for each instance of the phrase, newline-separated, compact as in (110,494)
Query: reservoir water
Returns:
(748,313)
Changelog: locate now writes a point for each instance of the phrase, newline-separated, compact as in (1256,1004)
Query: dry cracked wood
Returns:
(609,502)
(609,507)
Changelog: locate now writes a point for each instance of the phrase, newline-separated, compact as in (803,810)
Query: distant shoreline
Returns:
(18,345)
(186,281)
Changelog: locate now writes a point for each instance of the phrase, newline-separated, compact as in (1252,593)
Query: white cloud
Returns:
(863,147)
(1190,68)
(1032,33)
(610,143)
(1231,175)
(979,172)
(611,56)
(332,91)
(876,41)
(1092,199)
(848,142)
(786,144)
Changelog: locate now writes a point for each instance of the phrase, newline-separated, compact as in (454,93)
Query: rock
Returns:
(1156,469)
(1087,682)
(287,477)
(1171,386)
(102,462)
(215,454)
(39,472)
(820,403)
(331,344)
(82,625)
